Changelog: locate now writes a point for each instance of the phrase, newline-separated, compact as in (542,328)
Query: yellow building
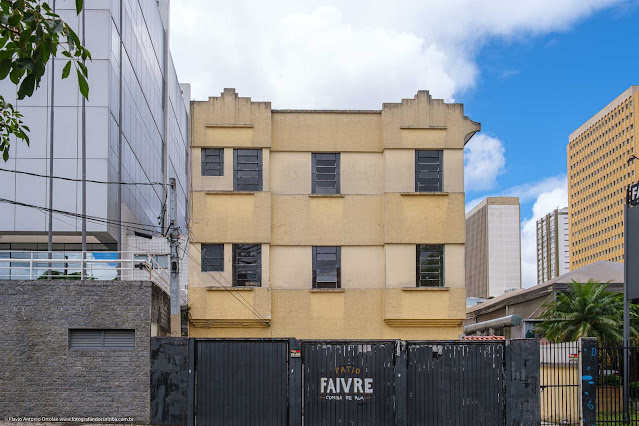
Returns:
(598,174)
(310,224)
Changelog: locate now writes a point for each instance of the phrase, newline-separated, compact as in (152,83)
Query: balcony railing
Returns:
(77,265)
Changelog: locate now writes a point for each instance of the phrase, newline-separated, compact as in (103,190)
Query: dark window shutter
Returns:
(118,339)
(428,171)
(325,173)
(247,265)
(212,257)
(212,162)
(327,271)
(430,265)
(247,170)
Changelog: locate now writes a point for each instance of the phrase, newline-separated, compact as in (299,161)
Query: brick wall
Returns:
(41,376)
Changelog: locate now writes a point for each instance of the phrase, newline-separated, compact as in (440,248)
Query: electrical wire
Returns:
(94,219)
(79,180)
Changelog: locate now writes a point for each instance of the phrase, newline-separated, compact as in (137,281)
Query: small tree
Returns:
(587,310)
(30,35)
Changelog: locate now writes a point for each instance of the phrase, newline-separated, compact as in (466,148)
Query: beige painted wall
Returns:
(350,314)
(292,267)
(231,217)
(420,218)
(330,221)
(363,267)
(290,172)
(453,170)
(327,132)
(399,167)
(362,173)
(197,278)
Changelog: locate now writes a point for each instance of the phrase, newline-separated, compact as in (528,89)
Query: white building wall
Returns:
(504,248)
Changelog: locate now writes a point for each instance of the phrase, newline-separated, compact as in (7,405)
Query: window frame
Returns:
(314,173)
(338,267)
(440,171)
(258,266)
(237,185)
(220,156)
(206,260)
(418,270)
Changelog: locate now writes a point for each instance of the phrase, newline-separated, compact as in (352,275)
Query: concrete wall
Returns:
(41,376)
(377,219)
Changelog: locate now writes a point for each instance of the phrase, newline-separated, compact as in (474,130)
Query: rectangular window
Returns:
(212,162)
(247,170)
(327,271)
(212,257)
(119,339)
(247,265)
(428,171)
(325,174)
(430,265)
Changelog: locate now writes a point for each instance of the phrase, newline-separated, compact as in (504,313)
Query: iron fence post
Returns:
(294,383)
(401,383)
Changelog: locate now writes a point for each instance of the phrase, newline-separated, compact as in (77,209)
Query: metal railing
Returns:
(94,265)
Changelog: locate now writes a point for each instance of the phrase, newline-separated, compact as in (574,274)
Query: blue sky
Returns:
(530,70)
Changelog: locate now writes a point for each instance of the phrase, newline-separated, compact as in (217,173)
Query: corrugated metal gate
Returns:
(349,383)
(241,382)
(456,383)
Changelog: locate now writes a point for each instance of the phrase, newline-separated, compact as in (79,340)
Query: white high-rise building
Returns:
(553,257)
(493,247)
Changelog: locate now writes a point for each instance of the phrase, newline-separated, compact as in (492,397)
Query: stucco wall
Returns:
(41,376)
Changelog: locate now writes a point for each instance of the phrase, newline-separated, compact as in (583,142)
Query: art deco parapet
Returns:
(424,122)
(231,121)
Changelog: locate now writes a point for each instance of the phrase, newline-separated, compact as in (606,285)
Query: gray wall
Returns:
(41,376)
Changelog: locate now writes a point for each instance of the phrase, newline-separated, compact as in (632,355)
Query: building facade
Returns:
(598,173)
(493,247)
(122,133)
(327,224)
(553,248)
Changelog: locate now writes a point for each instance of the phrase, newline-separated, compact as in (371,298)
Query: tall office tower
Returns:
(493,247)
(553,249)
(328,224)
(599,171)
(126,132)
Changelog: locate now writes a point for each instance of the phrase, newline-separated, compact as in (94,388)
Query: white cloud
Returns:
(547,201)
(355,54)
(483,161)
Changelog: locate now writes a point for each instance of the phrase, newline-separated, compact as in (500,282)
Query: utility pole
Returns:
(176,323)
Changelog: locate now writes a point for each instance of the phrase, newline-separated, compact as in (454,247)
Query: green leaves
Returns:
(30,33)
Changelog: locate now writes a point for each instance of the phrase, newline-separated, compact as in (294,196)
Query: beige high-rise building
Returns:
(327,224)
(493,247)
(598,174)
(553,248)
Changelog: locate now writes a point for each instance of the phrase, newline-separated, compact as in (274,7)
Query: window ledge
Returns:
(249,126)
(233,192)
(229,288)
(327,290)
(326,195)
(425,288)
(421,127)
(439,193)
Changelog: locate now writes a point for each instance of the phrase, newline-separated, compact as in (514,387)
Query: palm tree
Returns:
(587,310)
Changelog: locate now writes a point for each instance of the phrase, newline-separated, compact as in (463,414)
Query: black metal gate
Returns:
(349,383)
(456,383)
(241,382)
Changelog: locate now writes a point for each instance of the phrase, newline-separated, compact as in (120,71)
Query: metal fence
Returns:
(610,396)
(95,265)
(559,383)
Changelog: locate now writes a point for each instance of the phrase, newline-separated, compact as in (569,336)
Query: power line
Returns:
(80,180)
(95,219)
